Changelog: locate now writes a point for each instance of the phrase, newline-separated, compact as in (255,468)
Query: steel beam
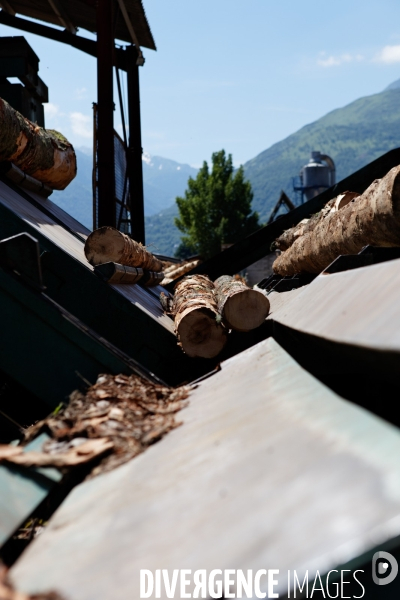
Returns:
(65,37)
(62,16)
(106,209)
(134,156)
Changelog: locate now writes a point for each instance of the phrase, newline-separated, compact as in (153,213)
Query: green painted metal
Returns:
(48,350)
(22,490)
(103,309)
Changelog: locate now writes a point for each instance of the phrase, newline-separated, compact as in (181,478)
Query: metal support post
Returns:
(134,156)
(105,115)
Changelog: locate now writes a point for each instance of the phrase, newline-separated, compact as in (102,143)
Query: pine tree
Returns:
(216,208)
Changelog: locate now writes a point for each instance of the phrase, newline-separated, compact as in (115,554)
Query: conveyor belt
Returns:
(60,228)
(130,317)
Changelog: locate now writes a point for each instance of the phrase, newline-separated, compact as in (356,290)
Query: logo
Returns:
(384,568)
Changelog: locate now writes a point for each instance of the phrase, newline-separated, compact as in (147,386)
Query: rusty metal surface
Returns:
(269,470)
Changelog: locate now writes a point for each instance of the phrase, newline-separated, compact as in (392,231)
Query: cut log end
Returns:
(246,310)
(105,242)
(200,335)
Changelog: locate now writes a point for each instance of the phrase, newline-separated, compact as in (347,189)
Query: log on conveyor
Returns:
(44,154)
(197,322)
(151,278)
(370,219)
(288,237)
(176,271)
(107,244)
(241,307)
(115,273)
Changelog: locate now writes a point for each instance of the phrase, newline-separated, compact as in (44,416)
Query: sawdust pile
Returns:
(117,419)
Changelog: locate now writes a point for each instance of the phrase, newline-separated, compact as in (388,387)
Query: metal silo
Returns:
(317,175)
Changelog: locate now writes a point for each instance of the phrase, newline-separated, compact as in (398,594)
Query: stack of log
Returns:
(344,226)
(43,154)
(241,308)
(119,259)
(174,271)
(204,312)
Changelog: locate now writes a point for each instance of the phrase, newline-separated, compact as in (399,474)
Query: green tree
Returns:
(216,208)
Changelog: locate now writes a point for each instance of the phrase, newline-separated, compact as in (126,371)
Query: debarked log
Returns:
(44,154)
(371,219)
(197,322)
(107,244)
(241,307)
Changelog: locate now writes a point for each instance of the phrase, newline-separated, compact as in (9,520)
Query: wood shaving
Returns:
(118,417)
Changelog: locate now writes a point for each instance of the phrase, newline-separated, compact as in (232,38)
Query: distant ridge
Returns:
(393,86)
(164,179)
(353,135)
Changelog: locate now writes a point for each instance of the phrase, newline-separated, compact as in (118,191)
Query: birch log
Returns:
(107,244)
(178,271)
(195,312)
(288,237)
(241,307)
(372,218)
(44,154)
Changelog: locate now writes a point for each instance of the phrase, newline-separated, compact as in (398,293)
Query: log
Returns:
(107,244)
(197,322)
(288,237)
(44,154)
(370,219)
(151,278)
(115,273)
(178,271)
(241,307)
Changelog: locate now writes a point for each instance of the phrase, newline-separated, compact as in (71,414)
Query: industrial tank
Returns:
(317,175)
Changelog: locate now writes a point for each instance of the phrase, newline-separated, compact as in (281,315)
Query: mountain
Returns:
(161,234)
(393,86)
(353,136)
(76,199)
(163,180)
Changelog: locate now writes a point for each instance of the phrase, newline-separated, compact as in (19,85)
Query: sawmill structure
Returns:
(288,452)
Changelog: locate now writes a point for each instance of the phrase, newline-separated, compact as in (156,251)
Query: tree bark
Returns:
(241,307)
(107,244)
(288,237)
(372,218)
(177,270)
(195,312)
(44,154)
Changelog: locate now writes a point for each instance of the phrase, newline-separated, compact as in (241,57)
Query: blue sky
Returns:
(234,75)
